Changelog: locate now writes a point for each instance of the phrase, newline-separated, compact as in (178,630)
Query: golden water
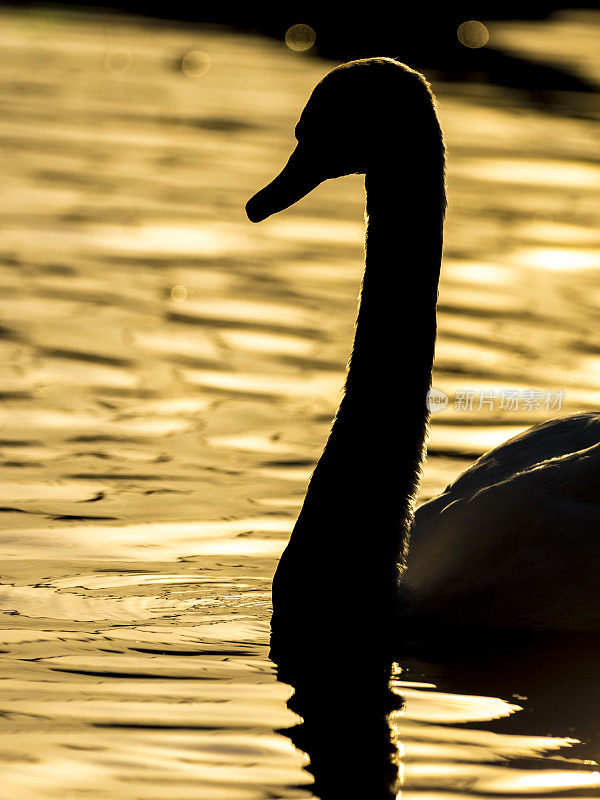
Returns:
(169,372)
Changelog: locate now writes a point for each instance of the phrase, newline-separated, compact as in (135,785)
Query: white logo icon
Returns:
(436,400)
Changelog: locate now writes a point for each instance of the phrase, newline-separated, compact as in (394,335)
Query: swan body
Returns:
(515,540)
(511,544)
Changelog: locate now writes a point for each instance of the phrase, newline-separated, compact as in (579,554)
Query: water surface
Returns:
(169,374)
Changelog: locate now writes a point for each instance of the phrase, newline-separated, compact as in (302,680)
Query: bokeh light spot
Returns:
(300,37)
(179,293)
(118,60)
(473,34)
(196,63)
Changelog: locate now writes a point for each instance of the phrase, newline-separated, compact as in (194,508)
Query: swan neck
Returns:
(357,512)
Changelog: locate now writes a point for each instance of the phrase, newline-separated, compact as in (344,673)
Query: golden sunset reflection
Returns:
(300,37)
(169,377)
(473,34)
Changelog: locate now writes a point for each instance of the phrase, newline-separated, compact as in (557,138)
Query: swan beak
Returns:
(294,181)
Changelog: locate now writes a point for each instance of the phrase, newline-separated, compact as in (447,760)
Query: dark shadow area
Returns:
(346,699)
(553,677)
(413,33)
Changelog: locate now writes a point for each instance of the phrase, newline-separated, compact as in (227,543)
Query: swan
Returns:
(512,543)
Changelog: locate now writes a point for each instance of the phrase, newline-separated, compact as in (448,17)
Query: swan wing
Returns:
(513,542)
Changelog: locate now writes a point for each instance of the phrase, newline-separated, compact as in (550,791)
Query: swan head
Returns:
(357,119)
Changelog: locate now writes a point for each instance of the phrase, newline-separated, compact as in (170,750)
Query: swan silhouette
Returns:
(351,704)
(341,709)
(511,544)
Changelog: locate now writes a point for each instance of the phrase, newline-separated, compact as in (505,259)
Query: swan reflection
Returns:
(505,717)
(345,702)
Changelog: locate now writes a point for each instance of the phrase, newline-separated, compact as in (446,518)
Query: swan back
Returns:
(514,542)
